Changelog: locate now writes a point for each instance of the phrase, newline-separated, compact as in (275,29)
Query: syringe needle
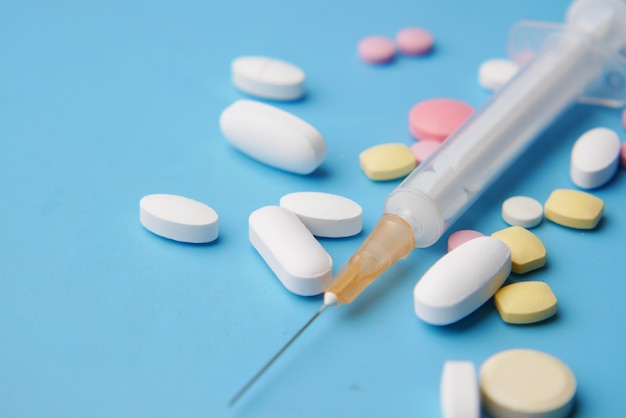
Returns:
(271,361)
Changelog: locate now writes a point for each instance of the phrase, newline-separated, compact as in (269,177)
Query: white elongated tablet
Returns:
(459,391)
(325,214)
(595,158)
(178,218)
(267,78)
(462,280)
(273,136)
(290,250)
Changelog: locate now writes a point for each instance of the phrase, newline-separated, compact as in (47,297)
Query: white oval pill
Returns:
(273,136)
(268,78)
(494,73)
(290,250)
(522,211)
(324,214)
(459,390)
(595,158)
(462,280)
(178,218)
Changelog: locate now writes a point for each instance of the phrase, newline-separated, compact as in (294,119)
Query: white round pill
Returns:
(527,384)
(522,211)
(595,158)
(178,218)
(494,73)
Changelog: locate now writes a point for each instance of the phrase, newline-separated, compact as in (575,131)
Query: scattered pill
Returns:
(527,251)
(494,73)
(574,209)
(624,118)
(178,218)
(525,302)
(459,390)
(623,154)
(527,383)
(268,78)
(325,214)
(290,250)
(387,161)
(414,41)
(459,237)
(462,280)
(437,118)
(273,136)
(423,149)
(595,158)
(522,211)
(376,49)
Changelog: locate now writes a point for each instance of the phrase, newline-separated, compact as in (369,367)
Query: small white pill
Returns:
(494,73)
(290,250)
(267,78)
(522,211)
(178,218)
(462,280)
(595,158)
(324,214)
(273,136)
(459,390)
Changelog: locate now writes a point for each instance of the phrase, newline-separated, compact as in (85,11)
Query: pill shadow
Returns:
(159,238)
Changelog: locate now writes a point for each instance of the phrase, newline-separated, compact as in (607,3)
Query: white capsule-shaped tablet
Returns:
(273,136)
(325,214)
(595,158)
(494,73)
(462,280)
(459,391)
(290,250)
(267,78)
(178,218)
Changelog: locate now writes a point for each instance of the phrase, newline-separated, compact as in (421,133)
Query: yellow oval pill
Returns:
(574,209)
(527,251)
(526,383)
(387,161)
(525,302)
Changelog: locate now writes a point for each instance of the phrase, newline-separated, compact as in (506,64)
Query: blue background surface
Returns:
(102,103)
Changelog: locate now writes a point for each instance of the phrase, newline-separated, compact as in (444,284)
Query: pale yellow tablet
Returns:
(525,383)
(574,209)
(527,251)
(387,161)
(525,302)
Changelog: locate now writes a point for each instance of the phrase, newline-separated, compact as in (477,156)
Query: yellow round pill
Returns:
(524,383)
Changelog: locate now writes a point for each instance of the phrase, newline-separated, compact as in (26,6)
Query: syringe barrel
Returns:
(441,189)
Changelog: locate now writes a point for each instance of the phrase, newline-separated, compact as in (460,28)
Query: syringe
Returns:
(561,64)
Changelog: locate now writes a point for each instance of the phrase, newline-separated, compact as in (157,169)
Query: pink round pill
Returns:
(376,49)
(461,237)
(624,118)
(424,148)
(623,154)
(438,118)
(414,41)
